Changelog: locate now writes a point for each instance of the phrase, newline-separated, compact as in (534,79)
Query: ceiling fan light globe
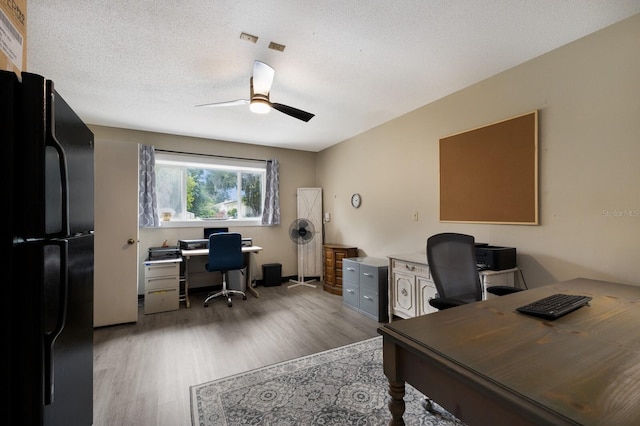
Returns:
(259,106)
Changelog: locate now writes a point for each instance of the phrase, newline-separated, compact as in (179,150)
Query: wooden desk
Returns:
(187,254)
(488,364)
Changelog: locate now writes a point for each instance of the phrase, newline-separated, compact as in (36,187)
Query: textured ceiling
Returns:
(355,64)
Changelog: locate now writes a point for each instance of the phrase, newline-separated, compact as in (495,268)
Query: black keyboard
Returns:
(554,306)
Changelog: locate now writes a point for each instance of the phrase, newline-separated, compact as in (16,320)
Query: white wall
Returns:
(588,96)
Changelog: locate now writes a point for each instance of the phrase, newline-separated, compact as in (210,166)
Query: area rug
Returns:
(338,387)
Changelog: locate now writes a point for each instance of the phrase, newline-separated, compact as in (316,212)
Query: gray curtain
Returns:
(148,202)
(271,210)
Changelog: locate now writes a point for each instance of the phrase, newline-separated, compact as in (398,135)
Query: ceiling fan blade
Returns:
(293,112)
(262,77)
(227,103)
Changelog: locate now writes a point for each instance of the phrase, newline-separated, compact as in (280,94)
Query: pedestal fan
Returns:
(301,232)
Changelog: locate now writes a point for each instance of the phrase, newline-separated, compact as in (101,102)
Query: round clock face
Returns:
(355,200)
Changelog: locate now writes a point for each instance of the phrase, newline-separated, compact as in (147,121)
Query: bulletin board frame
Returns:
(490,174)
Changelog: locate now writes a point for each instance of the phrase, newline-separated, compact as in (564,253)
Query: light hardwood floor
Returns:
(142,371)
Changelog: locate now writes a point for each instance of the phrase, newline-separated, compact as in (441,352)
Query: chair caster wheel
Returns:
(244,297)
(427,403)
(229,304)
(206,304)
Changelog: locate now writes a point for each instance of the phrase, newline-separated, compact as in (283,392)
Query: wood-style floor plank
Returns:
(142,371)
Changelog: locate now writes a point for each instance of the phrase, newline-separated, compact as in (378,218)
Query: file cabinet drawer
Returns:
(161,300)
(161,269)
(369,303)
(369,278)
(157,283)
(350,272)
(350,294)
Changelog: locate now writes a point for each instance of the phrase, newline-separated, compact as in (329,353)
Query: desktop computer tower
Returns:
(271,274)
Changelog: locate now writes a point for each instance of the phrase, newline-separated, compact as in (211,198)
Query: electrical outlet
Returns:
(415,216)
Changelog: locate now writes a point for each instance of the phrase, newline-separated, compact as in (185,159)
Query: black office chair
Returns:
(225,254)
(452,262)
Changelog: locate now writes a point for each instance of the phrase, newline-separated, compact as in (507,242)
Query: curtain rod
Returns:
(212,155)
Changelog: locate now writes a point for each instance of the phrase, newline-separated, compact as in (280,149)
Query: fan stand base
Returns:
(303,282)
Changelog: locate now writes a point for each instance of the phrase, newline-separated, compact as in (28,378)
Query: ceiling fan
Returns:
(259,102)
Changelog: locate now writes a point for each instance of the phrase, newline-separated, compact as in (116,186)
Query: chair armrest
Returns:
(441,303)
(501,290)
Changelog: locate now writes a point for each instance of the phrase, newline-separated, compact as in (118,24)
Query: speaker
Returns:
(271,274)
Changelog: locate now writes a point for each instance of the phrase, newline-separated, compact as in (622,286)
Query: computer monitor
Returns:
(209,231)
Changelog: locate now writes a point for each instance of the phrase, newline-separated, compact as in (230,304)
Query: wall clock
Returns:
(356,200)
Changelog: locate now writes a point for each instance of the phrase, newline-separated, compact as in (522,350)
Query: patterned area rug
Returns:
(342,386)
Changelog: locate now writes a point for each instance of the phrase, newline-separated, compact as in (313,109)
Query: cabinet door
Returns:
(427,290)
(403,295)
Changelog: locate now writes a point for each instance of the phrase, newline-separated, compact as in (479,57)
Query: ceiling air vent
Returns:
(276,46)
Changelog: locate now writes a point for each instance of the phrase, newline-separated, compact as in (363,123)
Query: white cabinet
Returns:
(411,285)
(161,285)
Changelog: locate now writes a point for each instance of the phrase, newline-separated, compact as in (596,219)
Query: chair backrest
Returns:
(225,252)
(452,262)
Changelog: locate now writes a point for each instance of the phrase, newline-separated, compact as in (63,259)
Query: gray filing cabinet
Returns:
(161,285)
(364,286)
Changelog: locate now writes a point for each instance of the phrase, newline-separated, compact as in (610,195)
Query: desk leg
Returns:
(186,282)
(250,289)
(396,404)
(396,382)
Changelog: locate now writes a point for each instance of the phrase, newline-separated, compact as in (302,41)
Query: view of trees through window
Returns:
(191,191)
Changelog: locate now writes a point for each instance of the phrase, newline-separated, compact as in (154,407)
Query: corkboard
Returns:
(490,174)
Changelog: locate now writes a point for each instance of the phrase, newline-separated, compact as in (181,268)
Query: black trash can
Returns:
(271,274)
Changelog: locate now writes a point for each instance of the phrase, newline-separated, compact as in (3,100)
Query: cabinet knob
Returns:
(131,241)
(404,292)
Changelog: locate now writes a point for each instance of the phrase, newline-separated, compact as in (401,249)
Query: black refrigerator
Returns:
(47,296)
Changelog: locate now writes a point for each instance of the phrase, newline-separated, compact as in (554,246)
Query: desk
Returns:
(488,364)
(187,254)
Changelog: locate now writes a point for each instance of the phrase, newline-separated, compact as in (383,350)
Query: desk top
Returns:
(205,252)
(584,366)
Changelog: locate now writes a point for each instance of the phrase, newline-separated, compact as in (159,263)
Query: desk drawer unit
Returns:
(365,286)
(161,286)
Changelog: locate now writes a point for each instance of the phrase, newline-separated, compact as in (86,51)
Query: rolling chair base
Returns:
(226,293)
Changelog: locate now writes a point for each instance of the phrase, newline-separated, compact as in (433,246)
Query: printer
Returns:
(164,252)
(495,258)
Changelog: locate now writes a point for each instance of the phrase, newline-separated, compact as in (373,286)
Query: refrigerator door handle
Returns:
(53,142)
(61,316)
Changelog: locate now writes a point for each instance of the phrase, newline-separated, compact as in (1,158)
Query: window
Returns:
(203,188)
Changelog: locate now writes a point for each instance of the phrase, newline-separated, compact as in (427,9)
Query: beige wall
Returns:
(588,96)
(297,169)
